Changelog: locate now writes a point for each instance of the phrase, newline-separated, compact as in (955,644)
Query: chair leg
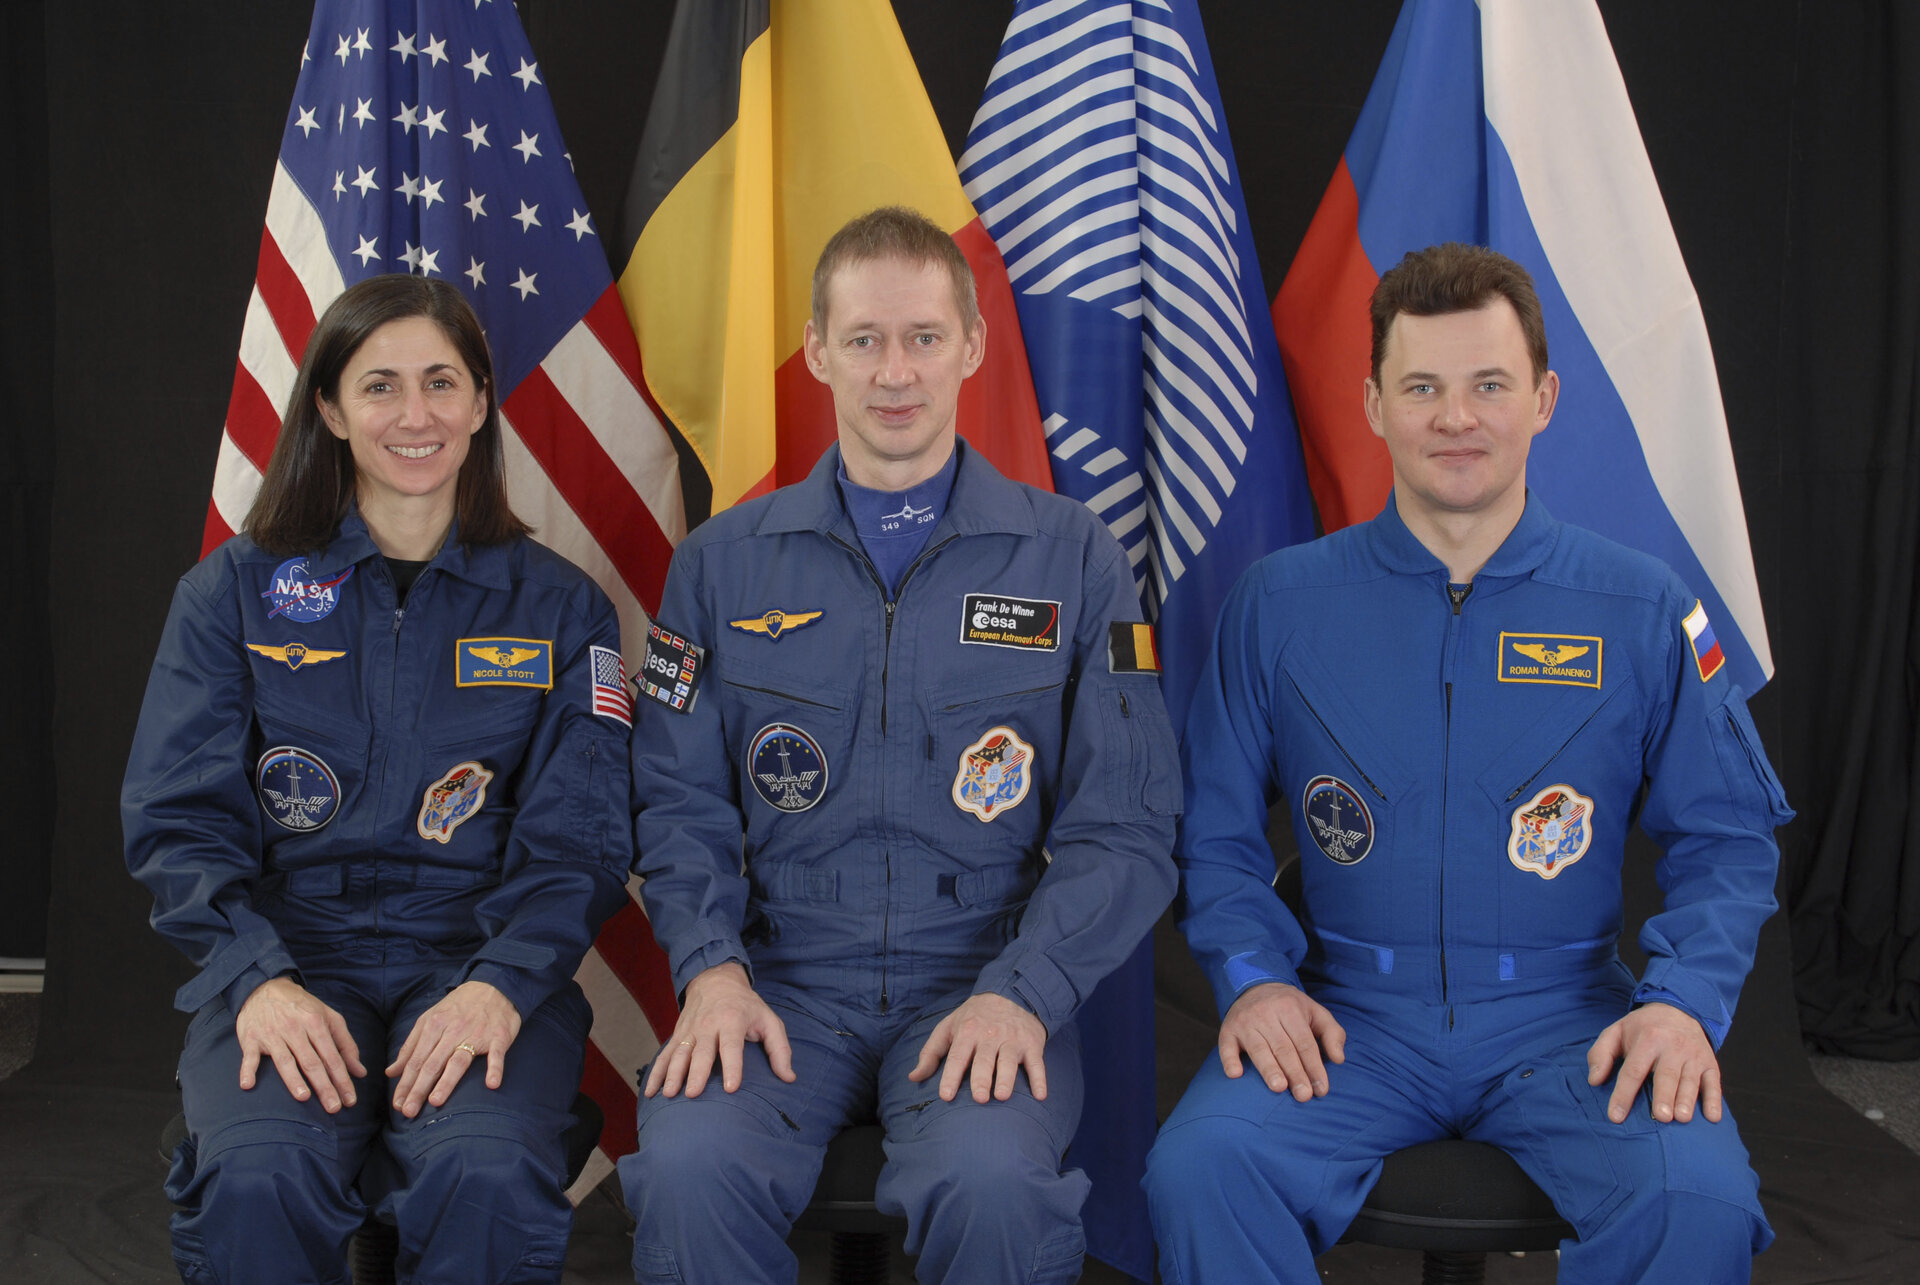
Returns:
(861,1258)
(375,1247)
(1440,1268)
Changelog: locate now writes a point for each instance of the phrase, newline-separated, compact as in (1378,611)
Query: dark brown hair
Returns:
(895,232)
(1457,277)
(310,479)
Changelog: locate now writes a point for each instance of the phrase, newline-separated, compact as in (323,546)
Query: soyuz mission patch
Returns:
(450,800)
(788,767)
(1551,831)
(298,596)
(995,772)
(1337,819)
(670,671)
(297,788)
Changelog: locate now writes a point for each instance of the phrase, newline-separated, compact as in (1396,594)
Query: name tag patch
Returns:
(1551,831)
(1569,660)
(670,673)
(452,799)
(503,662)
(297,788)
(994,620)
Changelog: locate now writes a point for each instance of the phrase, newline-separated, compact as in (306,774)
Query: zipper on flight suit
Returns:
(1457,594)
(886,663)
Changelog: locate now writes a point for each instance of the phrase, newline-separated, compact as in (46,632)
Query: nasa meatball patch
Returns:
(1551,831)
(451,800)
(296,595)
(1337,819)
(995,620)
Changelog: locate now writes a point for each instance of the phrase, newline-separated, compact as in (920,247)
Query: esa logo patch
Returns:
(452,799)
(1337,819)
(294,654)
(1569,660)
(993,620)
(503,662)
(788,767)
(670,671)
(1551,831)
(994,774)
(297,788)
(298,596)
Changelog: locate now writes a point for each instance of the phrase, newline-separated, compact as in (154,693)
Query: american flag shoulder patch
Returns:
(610,695)
(1707,656)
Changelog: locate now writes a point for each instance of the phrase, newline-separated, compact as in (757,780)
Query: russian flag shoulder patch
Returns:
(1707,656)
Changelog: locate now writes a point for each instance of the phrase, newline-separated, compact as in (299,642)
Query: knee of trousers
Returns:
(716,1157)
(259,1190)
(992,1165)
(470,1167)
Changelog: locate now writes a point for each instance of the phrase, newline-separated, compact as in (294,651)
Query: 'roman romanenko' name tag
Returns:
(1571,660)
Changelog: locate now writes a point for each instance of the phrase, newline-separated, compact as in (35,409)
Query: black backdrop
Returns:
(139,147)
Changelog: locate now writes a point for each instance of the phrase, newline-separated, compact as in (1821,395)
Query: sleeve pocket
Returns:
(1757,791)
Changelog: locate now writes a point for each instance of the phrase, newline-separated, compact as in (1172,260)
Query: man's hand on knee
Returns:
(991,1037)
(722,1013)
(307,1040)
(1664,1041)
(1284,1032)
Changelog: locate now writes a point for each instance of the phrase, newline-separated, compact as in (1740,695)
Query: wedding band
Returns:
(686,1044)
(471,1051)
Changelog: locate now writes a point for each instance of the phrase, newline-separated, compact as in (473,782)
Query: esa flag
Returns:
(1506,123)
(773,123)
(1099,162)
(421,139)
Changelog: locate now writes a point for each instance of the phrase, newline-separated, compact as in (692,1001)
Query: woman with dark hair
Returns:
(379,793)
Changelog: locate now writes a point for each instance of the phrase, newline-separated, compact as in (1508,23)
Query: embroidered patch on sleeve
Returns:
(610,695)
(1707,656)
(670,674)
(503,662)
(1569,660)
(1131,648)
(1025,624)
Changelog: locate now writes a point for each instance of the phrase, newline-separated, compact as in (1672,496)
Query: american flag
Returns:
(610,695)
(421,139)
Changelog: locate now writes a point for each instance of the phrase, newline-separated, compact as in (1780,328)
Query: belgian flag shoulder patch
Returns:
(1131,648)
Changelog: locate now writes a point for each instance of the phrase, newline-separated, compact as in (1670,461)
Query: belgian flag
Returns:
(772,125)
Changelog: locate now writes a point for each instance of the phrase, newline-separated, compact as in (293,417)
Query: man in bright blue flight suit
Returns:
(913,696)
(1466,704)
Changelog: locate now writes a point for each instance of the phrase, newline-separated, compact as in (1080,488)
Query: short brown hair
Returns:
(1457,277)
(895,232)
(310,478)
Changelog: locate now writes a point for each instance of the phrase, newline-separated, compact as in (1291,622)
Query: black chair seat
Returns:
(843,1198)
(1456,1196)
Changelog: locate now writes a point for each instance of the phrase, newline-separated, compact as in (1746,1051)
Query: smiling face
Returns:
(407,407)
(894,351)
(1458,405)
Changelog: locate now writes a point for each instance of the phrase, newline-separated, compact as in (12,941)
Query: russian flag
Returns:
(1506,123)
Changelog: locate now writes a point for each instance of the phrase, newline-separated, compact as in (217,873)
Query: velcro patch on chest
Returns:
(1568,660)
(995,620)
(670,674)
(1338,819)
(460,792)
(503,662)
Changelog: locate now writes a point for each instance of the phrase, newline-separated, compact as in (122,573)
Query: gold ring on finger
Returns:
(468,1049)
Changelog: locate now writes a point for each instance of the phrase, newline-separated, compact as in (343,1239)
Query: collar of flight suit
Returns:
(983,501)
(1519,555)
(483,565)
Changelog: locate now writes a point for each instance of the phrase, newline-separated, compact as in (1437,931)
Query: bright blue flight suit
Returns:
(969,788)
(382,803)
(1463,764)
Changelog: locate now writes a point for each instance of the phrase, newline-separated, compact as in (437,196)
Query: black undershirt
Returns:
(405,573)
